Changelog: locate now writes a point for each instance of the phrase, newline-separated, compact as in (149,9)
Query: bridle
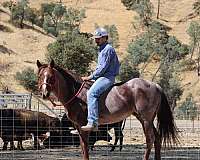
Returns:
(48,84)
(69,101)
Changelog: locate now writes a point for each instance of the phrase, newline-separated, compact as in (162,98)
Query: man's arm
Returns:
(104,62)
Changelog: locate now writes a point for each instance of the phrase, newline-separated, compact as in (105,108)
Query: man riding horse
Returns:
(104,76)
(139,97)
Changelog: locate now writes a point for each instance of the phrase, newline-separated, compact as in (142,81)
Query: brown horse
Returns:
(138,97)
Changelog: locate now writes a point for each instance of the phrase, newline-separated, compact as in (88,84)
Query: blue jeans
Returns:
(93,94)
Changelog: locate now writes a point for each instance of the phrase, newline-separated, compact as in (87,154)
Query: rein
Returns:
(69,101)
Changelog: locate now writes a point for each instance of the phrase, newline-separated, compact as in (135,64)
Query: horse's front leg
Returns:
(84,144)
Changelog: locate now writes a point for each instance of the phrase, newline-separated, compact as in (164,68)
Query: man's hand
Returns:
(85,78)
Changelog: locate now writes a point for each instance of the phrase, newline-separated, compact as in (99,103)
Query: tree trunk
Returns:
(198,68)
(158,11)
(193,47)
(198,60)
(22,20)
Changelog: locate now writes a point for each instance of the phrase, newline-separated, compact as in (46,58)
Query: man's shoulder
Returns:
(109,47)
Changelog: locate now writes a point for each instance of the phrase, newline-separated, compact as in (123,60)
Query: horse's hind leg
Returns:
(118,137)
(157,144)
(121,140)
(150,137)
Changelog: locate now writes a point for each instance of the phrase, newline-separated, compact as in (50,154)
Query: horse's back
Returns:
(133,96)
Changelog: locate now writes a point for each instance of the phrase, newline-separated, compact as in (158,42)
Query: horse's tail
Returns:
(166,126)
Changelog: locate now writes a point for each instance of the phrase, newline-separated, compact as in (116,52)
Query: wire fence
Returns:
(45,134)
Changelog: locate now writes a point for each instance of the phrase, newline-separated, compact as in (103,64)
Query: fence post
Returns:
(30,98)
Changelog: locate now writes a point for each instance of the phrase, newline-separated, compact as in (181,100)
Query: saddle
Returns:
(83,93)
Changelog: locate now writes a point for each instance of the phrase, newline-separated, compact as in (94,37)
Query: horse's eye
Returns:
(39,76)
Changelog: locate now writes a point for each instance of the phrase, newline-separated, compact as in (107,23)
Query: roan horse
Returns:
(138,97)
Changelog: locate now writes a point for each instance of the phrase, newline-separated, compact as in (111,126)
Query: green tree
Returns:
(53,18)
(156,43)
(169,80)
(140,49)
(196,7)
(144,8)
(27,78)
(31,15)
(128,71)
(58,18)
(18,13)
(74,17)
(194,33)
(45,10)
(73,51)
(188,109)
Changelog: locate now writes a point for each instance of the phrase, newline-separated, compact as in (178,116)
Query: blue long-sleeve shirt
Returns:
(108,63)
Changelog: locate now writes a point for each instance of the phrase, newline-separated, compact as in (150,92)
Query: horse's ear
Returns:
(39,64)
(52,63)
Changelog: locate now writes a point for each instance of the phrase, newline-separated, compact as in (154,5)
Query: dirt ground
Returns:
(133,148)
(130,152)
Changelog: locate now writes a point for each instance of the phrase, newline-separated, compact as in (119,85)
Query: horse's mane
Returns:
(72,78)
(69,75)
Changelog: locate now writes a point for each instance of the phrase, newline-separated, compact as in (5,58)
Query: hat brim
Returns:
(99,36)
(96,37)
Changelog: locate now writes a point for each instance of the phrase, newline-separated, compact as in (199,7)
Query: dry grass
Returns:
(30,45)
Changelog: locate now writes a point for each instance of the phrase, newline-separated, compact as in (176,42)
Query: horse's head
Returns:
(46,78)
(60,82)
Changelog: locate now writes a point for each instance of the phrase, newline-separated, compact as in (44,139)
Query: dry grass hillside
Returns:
(26,46)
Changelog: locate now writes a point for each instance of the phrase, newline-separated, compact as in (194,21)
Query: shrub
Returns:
(127,71)
(72,51)
(27,78)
